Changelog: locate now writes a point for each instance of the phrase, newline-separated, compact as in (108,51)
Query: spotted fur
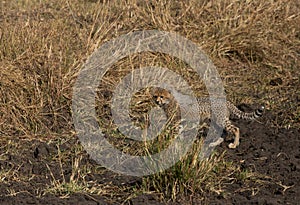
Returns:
(167,101)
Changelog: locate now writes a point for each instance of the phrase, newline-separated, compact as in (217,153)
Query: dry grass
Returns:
(43,45)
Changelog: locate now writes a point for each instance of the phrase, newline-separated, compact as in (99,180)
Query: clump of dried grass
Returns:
(44,44)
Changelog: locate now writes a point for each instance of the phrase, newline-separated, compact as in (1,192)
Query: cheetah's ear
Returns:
(153,90)
(169,90)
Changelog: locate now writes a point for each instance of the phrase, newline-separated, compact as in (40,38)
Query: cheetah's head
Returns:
(161,96)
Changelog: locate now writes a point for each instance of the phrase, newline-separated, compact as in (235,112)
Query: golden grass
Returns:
(44,44)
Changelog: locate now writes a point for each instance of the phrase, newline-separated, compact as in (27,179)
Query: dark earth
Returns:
(265,150)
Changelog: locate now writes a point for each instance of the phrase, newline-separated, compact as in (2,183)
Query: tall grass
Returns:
(43,45)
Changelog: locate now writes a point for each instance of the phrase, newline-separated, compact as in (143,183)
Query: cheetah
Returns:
(167,101)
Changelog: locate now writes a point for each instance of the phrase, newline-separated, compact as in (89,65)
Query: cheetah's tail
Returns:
(246,115)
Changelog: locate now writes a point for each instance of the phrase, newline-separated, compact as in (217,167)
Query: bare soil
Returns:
(265,150)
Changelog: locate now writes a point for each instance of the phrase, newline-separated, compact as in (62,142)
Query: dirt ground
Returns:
(270,152)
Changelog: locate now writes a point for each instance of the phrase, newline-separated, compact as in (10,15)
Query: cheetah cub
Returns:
(167,101)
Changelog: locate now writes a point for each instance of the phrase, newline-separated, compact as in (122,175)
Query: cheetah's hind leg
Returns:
(236,131)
